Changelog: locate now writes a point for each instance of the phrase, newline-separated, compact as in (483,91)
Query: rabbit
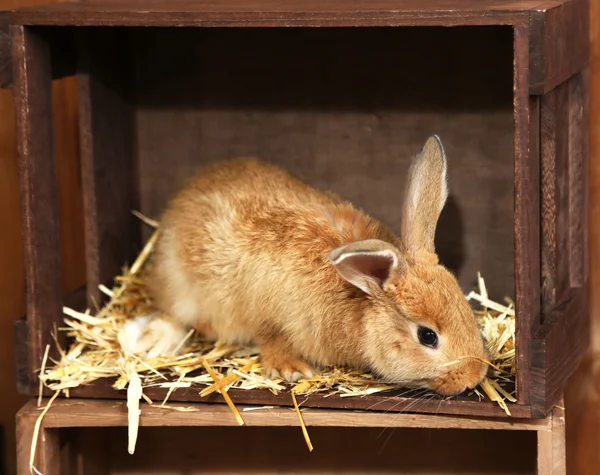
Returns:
(248,254)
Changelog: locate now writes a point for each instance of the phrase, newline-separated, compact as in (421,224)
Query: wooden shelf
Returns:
(282,13)
(72,414)
(108,413)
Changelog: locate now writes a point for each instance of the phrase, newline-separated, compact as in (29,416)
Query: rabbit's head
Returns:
(419,329)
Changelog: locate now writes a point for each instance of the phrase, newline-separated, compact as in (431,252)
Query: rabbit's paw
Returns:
(279,363)
(151,336)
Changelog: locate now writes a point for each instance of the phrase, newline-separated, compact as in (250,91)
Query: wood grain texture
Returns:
(277,13)
(365,447)
(5,56)
(551,456)
(564,178)
(578,176)
(559,344)
(550,126)
(392,402)
(318,98)
(88,451)
(560,45)
(39,201)
(47,457)
(107,156)
(583,391)
(526,218)
(98,413)
(350,451)
(556,351)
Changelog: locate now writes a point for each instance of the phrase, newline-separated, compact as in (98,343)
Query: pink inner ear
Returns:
(375,266)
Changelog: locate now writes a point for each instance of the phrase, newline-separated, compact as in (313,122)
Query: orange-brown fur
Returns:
(244,253)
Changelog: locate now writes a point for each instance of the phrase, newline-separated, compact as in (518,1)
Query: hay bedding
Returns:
(98,349)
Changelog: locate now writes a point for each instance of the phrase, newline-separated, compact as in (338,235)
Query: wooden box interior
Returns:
(342,108)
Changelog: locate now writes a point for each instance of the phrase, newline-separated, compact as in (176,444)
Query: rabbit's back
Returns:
(243,248)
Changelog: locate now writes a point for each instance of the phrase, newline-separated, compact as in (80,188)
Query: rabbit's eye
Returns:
(427,337)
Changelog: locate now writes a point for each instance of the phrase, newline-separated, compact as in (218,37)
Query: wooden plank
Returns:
(392,402)
(556,350)
(88,450)
(25,429)
(5,57)
(24,379)
(551,458)
(33,101)
(62,57)
(526,220)
(583,396)
(276,13)
(562,193)
(549,127)
(106,141)
(559,344)
(47,458)
(97,413)
(560,45)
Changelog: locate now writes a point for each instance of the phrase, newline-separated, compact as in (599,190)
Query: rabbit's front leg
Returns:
(279,361)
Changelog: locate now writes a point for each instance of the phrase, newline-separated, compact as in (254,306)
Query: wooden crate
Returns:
(342,94)
(71,440)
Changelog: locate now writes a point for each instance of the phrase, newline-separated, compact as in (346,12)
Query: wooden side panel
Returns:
(563,336)
(47,454)
(560,44)
(564,267)
(106,137)
(392,403)
(5,58)
(33,101)
(551,456)
(526,222)
(564,191)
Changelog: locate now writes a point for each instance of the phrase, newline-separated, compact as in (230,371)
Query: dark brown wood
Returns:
(559,344)
(61,46)
(33,100)
(5,56)
(344,441)
(88,451)
(527,205)
(76,412)
(25,379)
(577,252)
(550,127)
(559,43)
(275,13)
(556,350)
(309,103)
(391,402)
(313,99)
(47,456)
(107,166)
(563,192)
(27,382)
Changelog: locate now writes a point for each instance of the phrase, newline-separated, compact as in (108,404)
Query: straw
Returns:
(99,349)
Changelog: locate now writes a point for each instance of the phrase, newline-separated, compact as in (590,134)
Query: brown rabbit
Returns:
(249,255)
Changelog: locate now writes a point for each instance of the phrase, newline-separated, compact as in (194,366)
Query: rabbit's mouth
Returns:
(464,378)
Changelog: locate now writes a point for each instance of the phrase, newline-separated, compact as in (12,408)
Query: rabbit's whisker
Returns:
(483,360)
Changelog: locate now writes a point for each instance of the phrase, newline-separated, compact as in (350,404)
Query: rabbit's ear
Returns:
(368,262)
(424,200)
